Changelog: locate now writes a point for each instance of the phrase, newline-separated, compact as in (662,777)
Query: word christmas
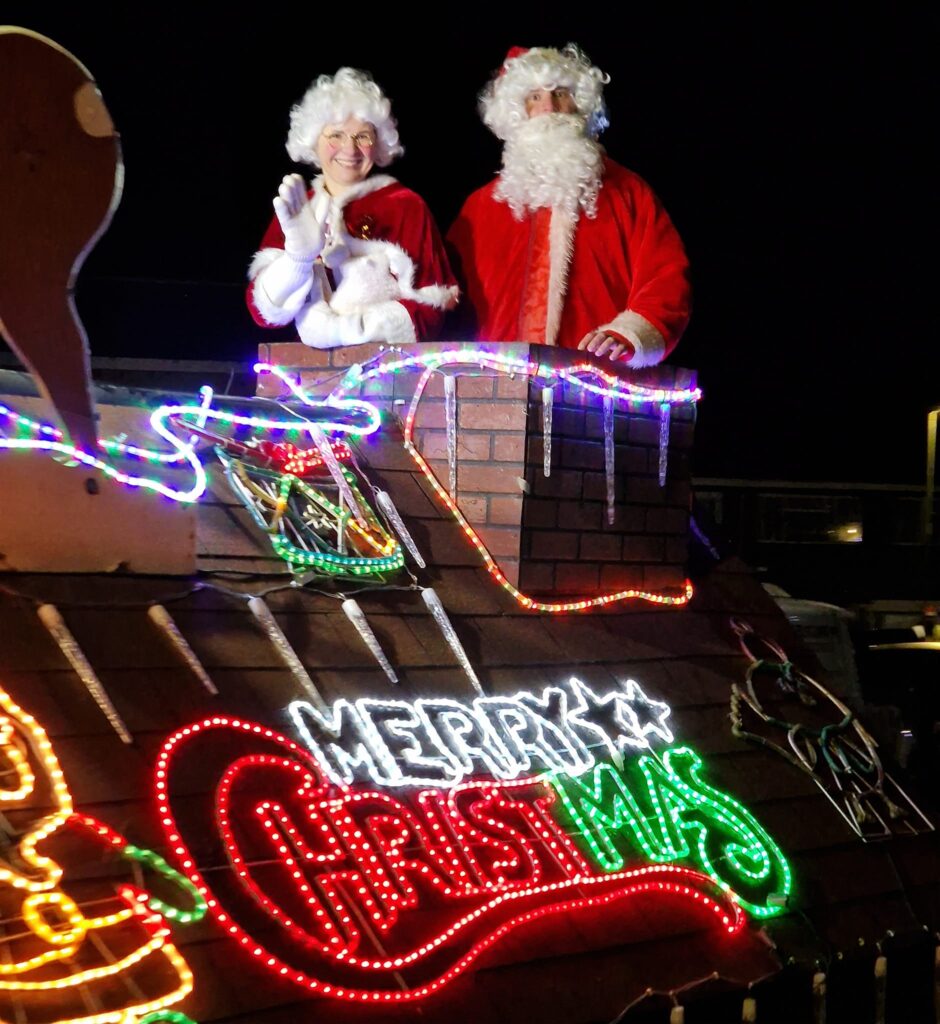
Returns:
(440,742)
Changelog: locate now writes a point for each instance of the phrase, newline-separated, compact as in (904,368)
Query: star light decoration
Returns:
(621,720)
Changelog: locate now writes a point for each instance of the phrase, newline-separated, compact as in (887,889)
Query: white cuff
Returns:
(281,286)
(643,336)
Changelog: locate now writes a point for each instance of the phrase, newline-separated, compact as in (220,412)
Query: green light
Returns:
(670,813)
(158,864)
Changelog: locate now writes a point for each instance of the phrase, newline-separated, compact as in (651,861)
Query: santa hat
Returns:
(331,100)
(502,102)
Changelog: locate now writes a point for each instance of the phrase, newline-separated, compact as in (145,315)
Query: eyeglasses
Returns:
(338,139)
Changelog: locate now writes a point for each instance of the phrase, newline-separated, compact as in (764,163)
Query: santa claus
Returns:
(566,247)
(357,257)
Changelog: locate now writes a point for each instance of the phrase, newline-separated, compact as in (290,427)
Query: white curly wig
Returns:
(330,100)
(502,102)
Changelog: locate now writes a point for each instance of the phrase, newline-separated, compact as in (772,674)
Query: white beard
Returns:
(549,161)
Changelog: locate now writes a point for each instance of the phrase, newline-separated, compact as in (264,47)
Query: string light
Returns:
(558,730)
(678,802)
(52,916)
(490,851)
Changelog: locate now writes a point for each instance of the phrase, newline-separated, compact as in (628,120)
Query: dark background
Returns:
(791,145)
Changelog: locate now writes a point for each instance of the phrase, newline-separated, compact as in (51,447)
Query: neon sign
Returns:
(389,896)
(441,742)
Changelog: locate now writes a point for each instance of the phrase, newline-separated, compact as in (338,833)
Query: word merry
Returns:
(439,742)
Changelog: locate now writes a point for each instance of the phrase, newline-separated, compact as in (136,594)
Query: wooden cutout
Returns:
(61,176)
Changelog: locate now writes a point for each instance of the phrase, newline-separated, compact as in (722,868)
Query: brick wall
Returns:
(550,534)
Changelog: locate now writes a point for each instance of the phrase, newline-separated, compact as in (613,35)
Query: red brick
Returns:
(500,540)
(581,454)
(489,479)
(473,508)
(539,511)
(475,387)
(667,520)
(628,518)
(506,510)
(492,415)
(509,447)
(434,387)
(595,486)
(622,577)
(551,544)
(677,550)
(601,547)
(594,425)
(644,430)
(512,387)
(567,423)
(578,515)
(582,578)
(643,549)
(561,484)
(378,387)
(510,569)
(293,353)
(664,578)
(537,577)
(431,414)
(476,447)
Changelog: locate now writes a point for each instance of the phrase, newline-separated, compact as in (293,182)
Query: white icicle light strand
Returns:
(358,618)
(433,603)
(288,655)
(53,621)
(665,413)
(548,398)
(388,507)
(609,459)
(162,618)
(450,415)
(332,464)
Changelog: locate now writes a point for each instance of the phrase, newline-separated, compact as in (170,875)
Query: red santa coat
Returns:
(547,280)
(382,209)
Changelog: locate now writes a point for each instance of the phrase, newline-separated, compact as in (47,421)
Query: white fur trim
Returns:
(361,188)
(560,250)
(647,341)
(388,322)
(280,286)
(262,259)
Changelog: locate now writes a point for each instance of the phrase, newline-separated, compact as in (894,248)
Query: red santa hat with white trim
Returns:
(502,102)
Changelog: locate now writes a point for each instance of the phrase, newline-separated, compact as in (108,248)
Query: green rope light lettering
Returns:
(666,810)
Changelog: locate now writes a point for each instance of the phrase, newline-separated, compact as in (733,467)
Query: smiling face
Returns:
(345,152)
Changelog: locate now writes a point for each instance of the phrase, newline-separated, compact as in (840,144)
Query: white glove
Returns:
(303,233)
(319,327)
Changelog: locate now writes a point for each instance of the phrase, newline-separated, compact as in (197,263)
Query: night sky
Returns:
(791,145)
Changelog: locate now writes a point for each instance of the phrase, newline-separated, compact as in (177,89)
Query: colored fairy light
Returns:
(441,742)
(288,655)
(51,618)
(162,618)
(358,618)
(370,891)
(440,616)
